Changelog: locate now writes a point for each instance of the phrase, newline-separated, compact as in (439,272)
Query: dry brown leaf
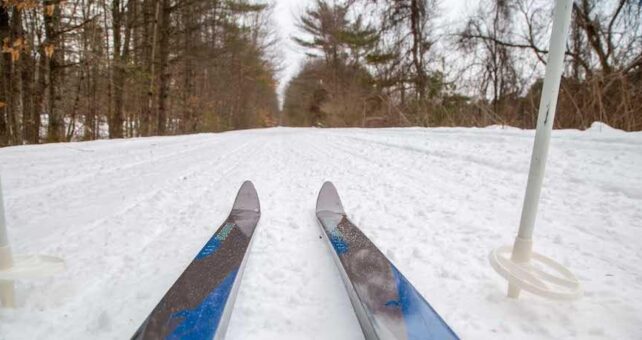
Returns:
(49,10)
(49,50)
(21,4)
(15,55)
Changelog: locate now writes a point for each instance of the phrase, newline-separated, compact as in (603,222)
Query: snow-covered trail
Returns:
(129,215)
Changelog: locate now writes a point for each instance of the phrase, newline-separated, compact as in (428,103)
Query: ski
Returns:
(199,304)
(386,304)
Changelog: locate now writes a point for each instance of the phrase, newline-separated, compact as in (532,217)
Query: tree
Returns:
(604,55)
(334,85)
(497,74)
(133,68)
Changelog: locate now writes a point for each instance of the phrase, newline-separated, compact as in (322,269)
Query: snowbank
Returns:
(129,215)
(603,128)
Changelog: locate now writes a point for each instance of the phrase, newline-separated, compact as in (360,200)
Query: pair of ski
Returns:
(199,304)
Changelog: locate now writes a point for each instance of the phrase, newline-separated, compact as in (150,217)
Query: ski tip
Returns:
(247,198)
(329,200)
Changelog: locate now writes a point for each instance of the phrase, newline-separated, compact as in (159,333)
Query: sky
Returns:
(287,12)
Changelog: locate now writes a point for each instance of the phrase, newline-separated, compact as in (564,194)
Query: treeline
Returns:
(88,69)
(397,63)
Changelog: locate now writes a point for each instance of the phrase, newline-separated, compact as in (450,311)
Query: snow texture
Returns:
(129,215)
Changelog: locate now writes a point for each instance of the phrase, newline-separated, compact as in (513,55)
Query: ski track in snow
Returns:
(129,215)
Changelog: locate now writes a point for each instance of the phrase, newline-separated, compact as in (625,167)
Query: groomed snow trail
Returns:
(129,215)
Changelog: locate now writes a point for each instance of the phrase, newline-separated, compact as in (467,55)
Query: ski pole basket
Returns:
(20,267)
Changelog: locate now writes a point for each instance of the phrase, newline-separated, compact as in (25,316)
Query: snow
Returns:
(129,215)
(602,127)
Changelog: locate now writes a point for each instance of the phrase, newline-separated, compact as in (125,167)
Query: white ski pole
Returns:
(14,268)
(7,295)
(518,269)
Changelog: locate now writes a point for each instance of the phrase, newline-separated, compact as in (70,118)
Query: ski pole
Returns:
(522,249)
(7,295)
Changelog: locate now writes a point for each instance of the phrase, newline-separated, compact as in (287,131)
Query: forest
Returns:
(89,69)
(398,63)
(79,70)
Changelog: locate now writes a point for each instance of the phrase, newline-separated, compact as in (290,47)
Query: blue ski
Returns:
(199,304)
(386,304)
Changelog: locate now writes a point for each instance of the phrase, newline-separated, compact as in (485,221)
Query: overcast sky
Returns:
(286,13)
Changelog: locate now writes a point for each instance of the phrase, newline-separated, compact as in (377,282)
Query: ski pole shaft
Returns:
(7,296)
(4,240)
(522,249)
(546,115)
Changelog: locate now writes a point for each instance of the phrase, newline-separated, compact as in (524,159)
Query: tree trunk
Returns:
(15,101)
(30,116)
(187,121)
(4,79)
(416,23)
(151,60)
(163,70)
(41,88)
(117,80)
(55,130)
(121,56)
